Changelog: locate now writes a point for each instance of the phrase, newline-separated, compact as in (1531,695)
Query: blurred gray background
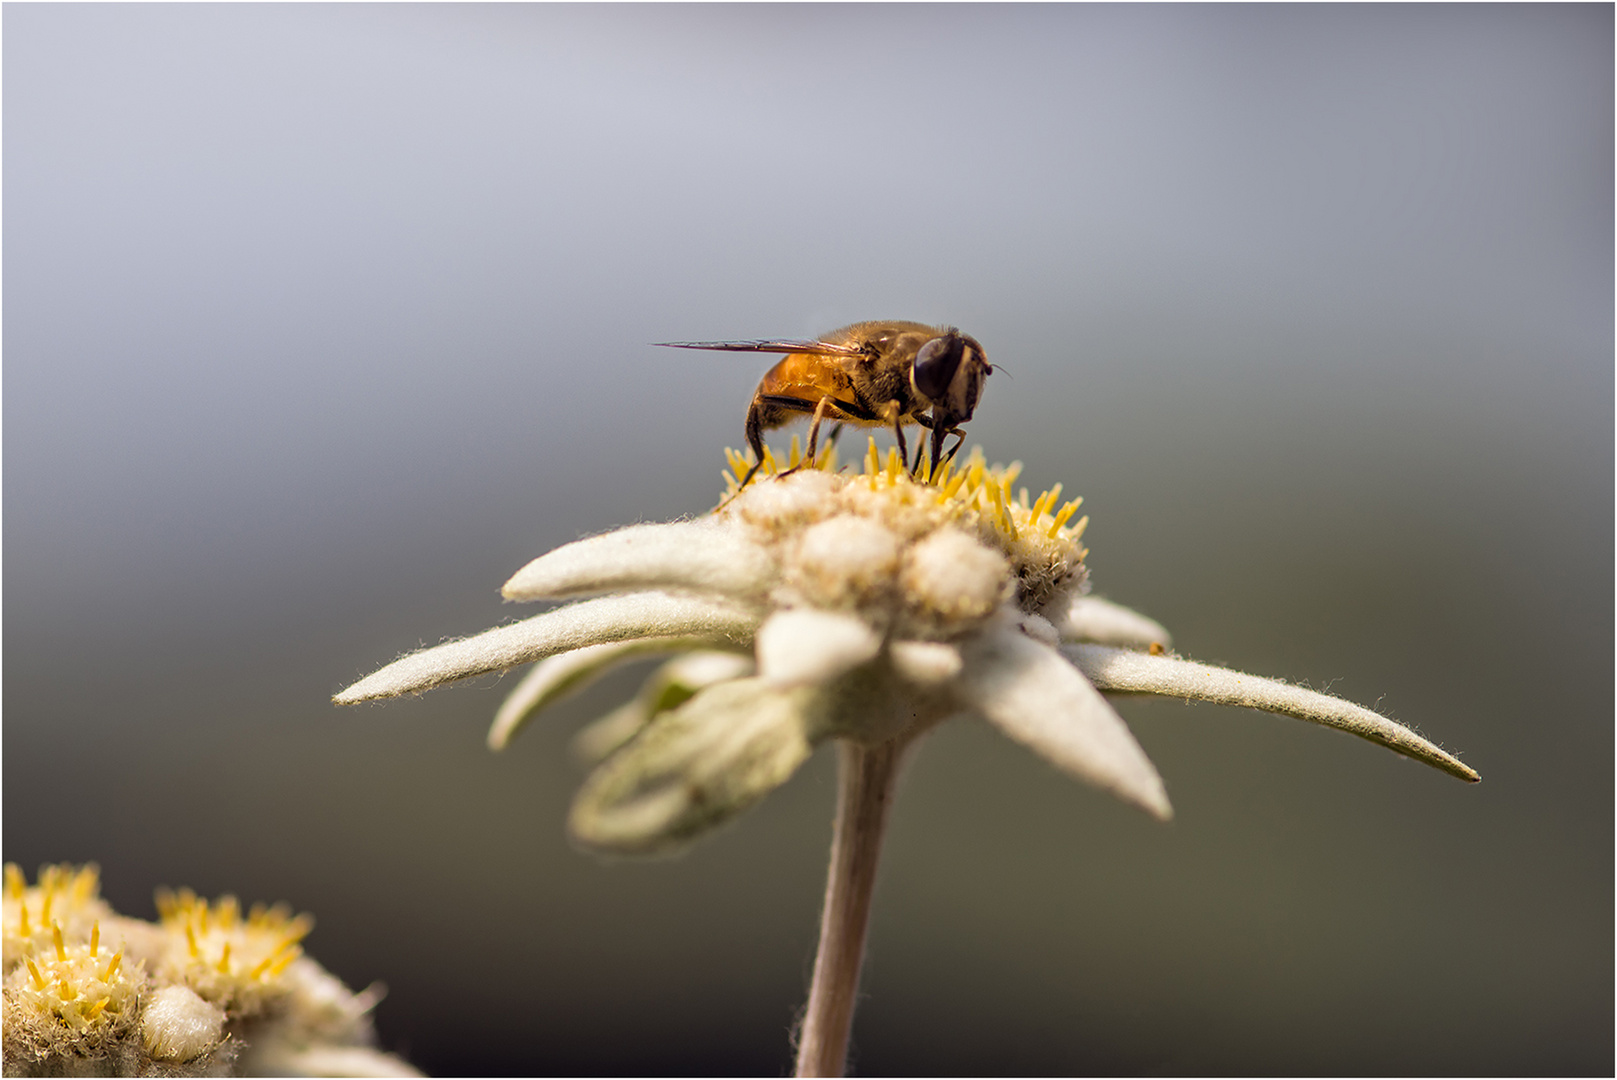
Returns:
(320,321)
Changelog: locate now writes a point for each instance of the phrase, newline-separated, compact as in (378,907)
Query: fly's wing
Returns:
(819,348)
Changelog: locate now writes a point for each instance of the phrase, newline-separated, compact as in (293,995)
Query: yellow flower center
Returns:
(1039,538)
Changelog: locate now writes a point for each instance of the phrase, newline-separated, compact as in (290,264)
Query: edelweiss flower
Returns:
(814,606)
(818,605)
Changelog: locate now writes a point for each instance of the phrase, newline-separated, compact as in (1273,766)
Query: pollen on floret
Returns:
(66,895)
(230,960)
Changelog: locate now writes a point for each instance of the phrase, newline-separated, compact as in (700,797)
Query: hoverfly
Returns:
(876,374)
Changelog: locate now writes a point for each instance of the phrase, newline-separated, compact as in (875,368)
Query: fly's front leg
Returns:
(755,439)
(942,427)
(939,430)
(898,433)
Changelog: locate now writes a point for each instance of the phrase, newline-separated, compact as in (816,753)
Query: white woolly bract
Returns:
(1126,671)
(804,645)
(669,687)
(561,676)
(1089,618)
(925,663)
(611,618)
(705,556)
(1030,692)
(696,767)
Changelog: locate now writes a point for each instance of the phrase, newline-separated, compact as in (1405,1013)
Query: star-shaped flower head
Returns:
(817,604)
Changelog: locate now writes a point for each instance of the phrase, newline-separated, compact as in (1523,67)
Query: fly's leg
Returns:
(898,433)
(942,427)
(814,434)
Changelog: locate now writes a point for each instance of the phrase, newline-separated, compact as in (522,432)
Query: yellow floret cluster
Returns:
(206,991)
(82,987)
(64,895)
(231,960)
(1037,536)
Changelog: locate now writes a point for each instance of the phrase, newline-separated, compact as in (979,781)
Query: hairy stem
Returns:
(865,781)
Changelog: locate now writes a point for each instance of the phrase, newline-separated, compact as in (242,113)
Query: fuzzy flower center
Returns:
(933,556)
(85,987)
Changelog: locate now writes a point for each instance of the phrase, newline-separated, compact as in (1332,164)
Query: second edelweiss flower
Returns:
(820,605)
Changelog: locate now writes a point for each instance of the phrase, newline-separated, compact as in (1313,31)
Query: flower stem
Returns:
(865,781)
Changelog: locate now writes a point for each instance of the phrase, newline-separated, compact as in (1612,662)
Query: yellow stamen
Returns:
(224,959)
(795,455)
(56,937)
(66,992)
(112,966)
(1061,518)
(190,940)
(39,980)
(893,465)
(1046,501)
(24,929)
(84,883)
(1002,513)
(283,959)
(45,913)
(1011,473)
(95,1010)
(95,937)
(229,911)
(954,486)
(1078,529)
(16,884)
(296,932)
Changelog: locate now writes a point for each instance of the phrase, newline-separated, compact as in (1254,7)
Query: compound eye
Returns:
(935,365)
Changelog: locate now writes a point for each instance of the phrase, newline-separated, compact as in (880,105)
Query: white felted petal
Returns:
(695,767)
(669,687)
(561,676)
(805,645)
(1031,693)
(1089,618)
(1125,671)
(925,663)
(611,618)
(706,555)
